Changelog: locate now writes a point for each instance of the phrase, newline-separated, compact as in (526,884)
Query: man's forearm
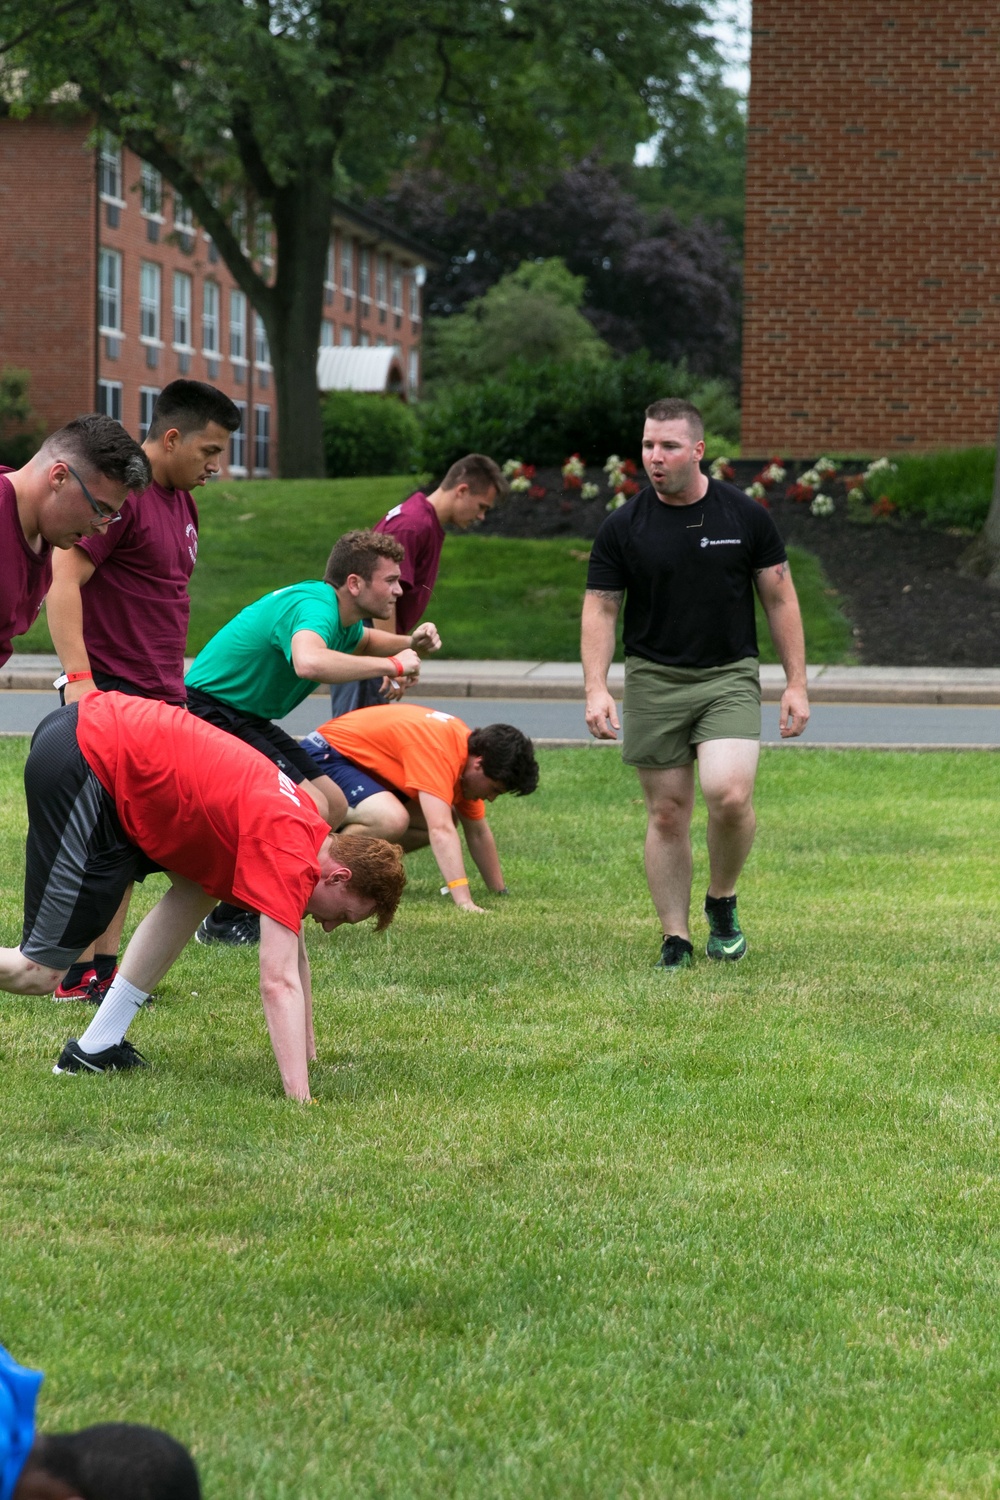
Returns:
(597,638)
(305,979)
(784,620)
(446,847)
(384,643)
(64,613)
(483,848)
(285,1013)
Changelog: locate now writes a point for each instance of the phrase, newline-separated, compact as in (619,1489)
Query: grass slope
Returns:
(496,597)
(559,1226)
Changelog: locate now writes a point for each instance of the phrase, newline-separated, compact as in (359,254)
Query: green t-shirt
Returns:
(248,663)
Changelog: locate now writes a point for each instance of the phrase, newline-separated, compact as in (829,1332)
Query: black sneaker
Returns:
(726,939)
(73,1059)
(675,954)
(241,931)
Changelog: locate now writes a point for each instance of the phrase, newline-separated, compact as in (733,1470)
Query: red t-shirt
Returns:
(136,605)
(24,575)
(416,526)
(203,804)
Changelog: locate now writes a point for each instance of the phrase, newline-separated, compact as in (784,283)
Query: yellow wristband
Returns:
(453,883)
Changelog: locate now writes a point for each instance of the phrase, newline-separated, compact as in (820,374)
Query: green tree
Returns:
(532,314)
(262,102)
(700,165)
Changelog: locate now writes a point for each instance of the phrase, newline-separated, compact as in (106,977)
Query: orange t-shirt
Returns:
(412,747)
(203,804)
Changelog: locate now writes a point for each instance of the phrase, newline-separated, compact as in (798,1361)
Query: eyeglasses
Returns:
(108,517)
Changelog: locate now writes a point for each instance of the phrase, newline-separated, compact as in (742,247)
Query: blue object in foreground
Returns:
(18,1394)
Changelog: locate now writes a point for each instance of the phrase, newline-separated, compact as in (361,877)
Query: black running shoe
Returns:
(726,939)
(675,954)
(241,931)
(73,1059)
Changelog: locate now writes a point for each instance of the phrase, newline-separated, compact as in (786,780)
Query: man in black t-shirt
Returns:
(686,554)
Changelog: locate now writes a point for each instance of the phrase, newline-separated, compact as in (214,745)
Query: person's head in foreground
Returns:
(189,433)
(673,445)
(501,759)
(360,877)
(113,1461)
(79,479)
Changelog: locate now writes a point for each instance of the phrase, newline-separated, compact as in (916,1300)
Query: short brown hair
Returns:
(100,445)
(674,409)
(359,552)
(478,472)
(376,868)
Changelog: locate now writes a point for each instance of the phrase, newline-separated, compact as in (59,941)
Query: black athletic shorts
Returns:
(263,734)
(78,862)
(109,684)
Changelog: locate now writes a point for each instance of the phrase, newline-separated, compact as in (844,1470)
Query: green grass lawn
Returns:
(559,1226)
(496,597)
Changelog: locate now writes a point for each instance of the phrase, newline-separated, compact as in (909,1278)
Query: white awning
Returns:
(343,369)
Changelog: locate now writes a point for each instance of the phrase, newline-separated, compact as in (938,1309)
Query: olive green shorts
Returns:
(667,711)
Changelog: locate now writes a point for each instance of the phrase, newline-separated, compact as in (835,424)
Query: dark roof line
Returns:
(387,231)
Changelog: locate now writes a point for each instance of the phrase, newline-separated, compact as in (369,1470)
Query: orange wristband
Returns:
(453,884)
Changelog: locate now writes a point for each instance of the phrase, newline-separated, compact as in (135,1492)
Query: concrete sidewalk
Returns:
(555,680)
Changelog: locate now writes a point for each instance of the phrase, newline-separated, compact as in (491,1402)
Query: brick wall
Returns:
(47,269)
(873,201)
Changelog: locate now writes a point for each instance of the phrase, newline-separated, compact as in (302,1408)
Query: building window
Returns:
(262,439)
(346,338)
(365,277)
(210,318)
(347,267)
(151,191)
(261,352)
(397,290)
(109,169)
(326,334)
(183,223)
(147,400)
(238,328)
(238,442)
(380,342)
(364,341)
(182,310)
(149,301)
(330,274)
(413,372)
(109,291)
(109,398)
(380,280)
(414,298)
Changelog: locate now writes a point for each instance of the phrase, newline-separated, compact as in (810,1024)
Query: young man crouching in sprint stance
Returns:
(410,773)
(120,787)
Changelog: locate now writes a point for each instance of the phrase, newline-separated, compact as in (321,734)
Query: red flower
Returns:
(527,471)
(884,506)
(800,493)
(537,491)
(572,481)
(628,467)
(630,488)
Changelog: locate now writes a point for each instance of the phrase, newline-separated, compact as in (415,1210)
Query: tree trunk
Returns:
(302,221)
(982,558)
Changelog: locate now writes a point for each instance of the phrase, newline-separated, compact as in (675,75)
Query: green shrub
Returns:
(542,413)
(20,430)
(365,434)
(950,488)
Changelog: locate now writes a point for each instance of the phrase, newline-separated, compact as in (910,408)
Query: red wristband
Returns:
(397,664)
(78,676)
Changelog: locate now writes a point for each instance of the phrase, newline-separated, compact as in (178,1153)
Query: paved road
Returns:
(890,724)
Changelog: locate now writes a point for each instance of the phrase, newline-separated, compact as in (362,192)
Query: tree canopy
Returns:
(266,101)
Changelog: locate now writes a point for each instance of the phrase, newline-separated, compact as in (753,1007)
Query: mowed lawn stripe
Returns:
(559,1225)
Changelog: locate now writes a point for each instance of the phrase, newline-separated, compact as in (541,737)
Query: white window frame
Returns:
(330,272)
(397,290)
(211,319)
(347,266)
(381,281)
(261,350)
(327,334)
(364,341)
(262,439)
(150,306)
(181,310)
(414,298)
(346,337)
(109,397)
(109,292)
(110,170)
(238,442)
(147,400)
(365,274)
(150,187)
(237,327)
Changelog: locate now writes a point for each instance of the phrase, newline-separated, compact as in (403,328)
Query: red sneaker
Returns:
(90,990)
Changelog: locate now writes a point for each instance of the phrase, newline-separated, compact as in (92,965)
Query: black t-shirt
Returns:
(687,573)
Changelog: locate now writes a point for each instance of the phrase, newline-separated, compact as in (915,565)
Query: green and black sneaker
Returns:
(725,939)
(675,954)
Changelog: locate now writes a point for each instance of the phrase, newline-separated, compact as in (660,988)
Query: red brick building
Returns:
(109,289)
(873,201)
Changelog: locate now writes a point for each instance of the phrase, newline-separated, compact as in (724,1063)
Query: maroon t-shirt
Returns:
(416,526)
(24,575)
(136,605)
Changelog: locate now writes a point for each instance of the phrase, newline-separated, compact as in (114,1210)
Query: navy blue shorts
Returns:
(357,785)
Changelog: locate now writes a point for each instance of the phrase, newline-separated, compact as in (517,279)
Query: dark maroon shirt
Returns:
(415,524)
(24,575)
(136,605)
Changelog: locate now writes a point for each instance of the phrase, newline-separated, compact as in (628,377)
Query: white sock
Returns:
(115,1015)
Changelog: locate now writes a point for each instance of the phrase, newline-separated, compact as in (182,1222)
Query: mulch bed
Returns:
(898,580)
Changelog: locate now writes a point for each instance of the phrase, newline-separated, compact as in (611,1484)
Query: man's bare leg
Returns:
(669,797)
(727,770)
(382,816)
(22,976)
